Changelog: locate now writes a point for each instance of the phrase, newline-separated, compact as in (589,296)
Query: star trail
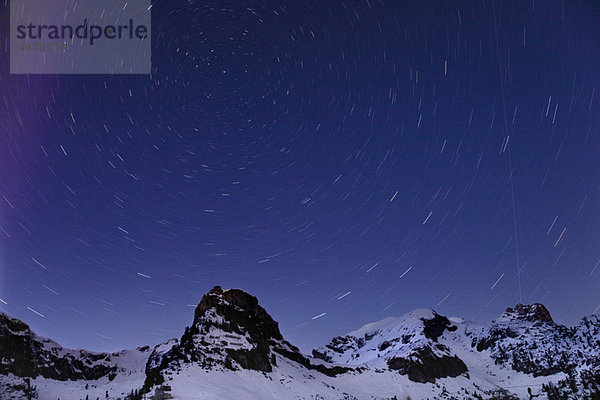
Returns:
(343,161)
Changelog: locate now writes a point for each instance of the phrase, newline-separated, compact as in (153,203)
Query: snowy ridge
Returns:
(376,342)
(58,371)
(234,350)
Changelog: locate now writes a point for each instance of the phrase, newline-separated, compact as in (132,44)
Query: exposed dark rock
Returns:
(321,355)
(435,327)
(384,345)
(533,313)
(24,354)
(341,344)
(424,365)
(406,338)
(305,362)
(240,312)
(258,359)
(495,334)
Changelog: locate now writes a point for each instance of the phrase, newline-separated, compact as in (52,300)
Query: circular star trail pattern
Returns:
(343,161)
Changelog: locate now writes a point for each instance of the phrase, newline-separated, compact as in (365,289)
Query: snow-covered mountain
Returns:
(28,361)
(234,350)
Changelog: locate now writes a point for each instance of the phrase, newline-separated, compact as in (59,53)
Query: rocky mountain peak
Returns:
(24,354)
(535,312)
(231,331)
(12,325)
(236,311)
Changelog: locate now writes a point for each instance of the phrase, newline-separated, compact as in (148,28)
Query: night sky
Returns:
(343,161)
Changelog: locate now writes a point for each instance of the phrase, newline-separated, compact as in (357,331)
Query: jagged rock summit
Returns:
(239,312)
(532,313)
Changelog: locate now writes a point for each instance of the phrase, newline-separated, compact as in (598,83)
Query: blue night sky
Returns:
(343,159)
